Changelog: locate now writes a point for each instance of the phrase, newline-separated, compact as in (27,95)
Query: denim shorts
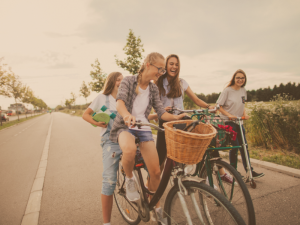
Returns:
(142,135)
(111,153)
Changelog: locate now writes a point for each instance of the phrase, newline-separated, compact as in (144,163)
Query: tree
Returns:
(85,91)
(73,98)
(14,88)
(97,76)
(3,80)
(68,103)
(133,49)
(27,96)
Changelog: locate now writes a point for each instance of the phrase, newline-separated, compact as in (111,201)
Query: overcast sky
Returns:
(52,44)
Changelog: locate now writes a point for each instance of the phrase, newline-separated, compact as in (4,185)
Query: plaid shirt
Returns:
(127,94)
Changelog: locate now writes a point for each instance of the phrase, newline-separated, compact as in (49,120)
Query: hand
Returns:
(101,124)
(129,119)
(180,116)
(232,117)
(168,108)
(246,117)
(211,107)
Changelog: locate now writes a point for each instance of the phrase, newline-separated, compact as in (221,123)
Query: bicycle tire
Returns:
(241,198)
(221,210)
(128,210)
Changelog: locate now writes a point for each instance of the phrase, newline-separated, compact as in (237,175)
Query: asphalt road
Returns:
(72,186)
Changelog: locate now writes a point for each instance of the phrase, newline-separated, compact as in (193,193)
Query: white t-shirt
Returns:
(139,108)
(100,101)
(177,102)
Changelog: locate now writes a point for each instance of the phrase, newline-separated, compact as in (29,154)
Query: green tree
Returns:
(133,49)
(68,103)
(84,91)
(27,96)
(14,88)
(98,77)
(73,98)
(3,80)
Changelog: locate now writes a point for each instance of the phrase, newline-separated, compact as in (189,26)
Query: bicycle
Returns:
(208,169)
(189,201)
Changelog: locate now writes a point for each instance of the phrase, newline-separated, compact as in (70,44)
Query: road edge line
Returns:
(32,211)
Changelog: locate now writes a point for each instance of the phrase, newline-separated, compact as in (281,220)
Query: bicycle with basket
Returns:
(189,200)
(211,164)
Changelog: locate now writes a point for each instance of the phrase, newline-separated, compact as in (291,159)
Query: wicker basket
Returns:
(188,147)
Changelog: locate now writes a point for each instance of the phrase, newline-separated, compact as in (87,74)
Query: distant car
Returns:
(4,117)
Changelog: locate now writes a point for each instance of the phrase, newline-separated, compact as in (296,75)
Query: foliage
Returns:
(275,125)
(84,91)
(68,103)
(133,49)
(73,98)
(98,77)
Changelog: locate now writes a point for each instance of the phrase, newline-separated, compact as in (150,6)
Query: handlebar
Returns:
(139,124)
(194,110)
(237,118)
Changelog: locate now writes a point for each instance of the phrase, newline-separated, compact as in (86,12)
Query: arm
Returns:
(153,116)
(87,117)
(122,110)
(224,112)
(245,115)
(170,117)
(196,100)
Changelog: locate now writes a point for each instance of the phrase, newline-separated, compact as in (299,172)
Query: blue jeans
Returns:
(111,156)
(238,141)
(142,135)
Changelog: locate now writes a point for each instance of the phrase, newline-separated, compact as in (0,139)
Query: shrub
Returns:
(275,124)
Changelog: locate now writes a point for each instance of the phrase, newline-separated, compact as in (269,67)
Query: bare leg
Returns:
(107,203)
(128,147)
(150,157)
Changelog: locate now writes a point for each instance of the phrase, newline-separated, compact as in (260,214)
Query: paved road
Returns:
(72,187)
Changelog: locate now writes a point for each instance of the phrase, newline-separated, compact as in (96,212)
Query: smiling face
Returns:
(155,70)
(172,67)
(118,82)
(239,79)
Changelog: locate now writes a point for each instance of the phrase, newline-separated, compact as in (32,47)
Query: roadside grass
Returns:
(14,122)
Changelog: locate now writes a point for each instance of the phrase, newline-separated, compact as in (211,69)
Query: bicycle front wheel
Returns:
(128,210)
(237,192)
(202,205)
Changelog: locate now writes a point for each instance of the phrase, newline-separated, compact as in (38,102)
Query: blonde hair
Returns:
(110,82)
(232,81)
(175,84)
(150,58)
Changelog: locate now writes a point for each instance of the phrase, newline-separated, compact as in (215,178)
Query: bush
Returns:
(275,124)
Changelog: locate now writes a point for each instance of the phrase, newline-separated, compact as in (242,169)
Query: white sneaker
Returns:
(160,218)
(131,190)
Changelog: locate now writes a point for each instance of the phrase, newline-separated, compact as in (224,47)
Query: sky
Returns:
(51,45)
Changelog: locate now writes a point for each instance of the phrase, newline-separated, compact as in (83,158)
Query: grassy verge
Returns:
(281,157)
(11,123)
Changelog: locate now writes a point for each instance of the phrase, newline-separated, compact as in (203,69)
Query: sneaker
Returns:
(159,214)
(227,178)
(257,175)
(207,182)
(131,190)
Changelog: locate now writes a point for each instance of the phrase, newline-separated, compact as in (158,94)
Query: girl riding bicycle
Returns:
(136,97)
(232,101)
(110,151)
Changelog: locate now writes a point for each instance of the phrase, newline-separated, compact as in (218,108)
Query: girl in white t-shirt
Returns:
(232,101)
(171,89)
(111,151)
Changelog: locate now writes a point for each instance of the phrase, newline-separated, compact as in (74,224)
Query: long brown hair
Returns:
(232,81)
(150,58)
(175,86)
(110,82)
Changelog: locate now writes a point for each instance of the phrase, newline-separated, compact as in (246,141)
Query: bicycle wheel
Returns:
(202,205)
(128,210)
(237,193)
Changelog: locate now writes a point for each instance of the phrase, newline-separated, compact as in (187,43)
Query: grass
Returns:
(14,122)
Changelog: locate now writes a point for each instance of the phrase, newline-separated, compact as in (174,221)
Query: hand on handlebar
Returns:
(180,116)
(129,120)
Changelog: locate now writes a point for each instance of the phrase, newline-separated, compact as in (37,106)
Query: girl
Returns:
(111,151)
(232,102)
(135,99)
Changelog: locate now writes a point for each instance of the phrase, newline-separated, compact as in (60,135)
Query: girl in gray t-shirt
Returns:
(232,101)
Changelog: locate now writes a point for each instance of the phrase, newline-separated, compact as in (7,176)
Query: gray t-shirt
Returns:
(233,101)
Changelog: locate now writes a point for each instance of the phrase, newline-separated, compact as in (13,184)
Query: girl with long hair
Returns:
(110,151)
(135,99)
(232,101)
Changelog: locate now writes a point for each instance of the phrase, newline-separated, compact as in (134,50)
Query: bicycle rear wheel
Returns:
(128,210)
(237,193)
(202,205)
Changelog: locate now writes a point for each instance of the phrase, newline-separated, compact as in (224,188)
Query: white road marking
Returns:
(32,212)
